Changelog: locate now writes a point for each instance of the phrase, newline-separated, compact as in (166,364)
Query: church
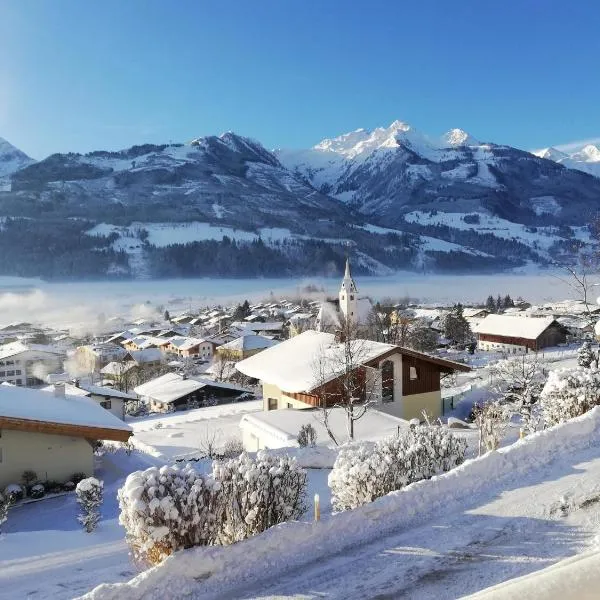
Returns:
(349,306)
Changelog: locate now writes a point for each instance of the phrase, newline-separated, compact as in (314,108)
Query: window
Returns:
(10,362)
(106,404)
(290,405)
(272,404)
(17,371)
(1,363)
(17,362)
(351,297)
(2,373)
(387,381)
(19,382)
(10,373)
(342,296)
(413,373)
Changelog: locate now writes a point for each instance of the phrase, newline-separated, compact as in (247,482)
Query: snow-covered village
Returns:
(185,454)
(299,300)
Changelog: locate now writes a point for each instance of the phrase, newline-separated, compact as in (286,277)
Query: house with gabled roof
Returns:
(52,436)
(403,382)
(519,335)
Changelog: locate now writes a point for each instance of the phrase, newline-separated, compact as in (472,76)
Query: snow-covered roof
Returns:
(294,365)
(279,428)
(117,369)
(37,405)
(249,342)
(146,355)
(529,328)
(168,387)
(98,390)
(269,326)
(14,348)
(172,386)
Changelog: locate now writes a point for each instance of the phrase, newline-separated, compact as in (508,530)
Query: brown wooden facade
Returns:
(553,335)
(428,371)
(90,433)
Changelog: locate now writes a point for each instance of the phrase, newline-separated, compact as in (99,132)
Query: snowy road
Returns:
(502,533)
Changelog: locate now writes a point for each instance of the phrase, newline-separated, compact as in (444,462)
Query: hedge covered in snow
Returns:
(170,508)
(167,509)
(362,473)
(569,393)
(258,493)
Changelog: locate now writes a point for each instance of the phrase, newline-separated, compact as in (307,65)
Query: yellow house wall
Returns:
(272,391)
(414,405)
(50,456)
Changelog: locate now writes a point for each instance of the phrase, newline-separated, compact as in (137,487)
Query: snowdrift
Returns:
(212,569)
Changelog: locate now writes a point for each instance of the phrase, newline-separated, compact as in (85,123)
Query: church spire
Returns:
(347,273)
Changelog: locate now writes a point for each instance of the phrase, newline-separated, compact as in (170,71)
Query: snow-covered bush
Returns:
(585,355)
(37,491)
(363,473)
(14,491)
(258,493)
(89,497)
(168,509)
(307,436)
(29,477)
(492,419)
(569,393)
(68,486)
(6,502)
(232,448)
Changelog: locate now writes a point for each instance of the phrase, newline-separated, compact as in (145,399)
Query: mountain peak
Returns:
(458,137)
(589,153)
(11,158)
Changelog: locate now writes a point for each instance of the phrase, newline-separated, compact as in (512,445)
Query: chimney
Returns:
(59,390)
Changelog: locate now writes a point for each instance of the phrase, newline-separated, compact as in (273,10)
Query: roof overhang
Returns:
(83,431)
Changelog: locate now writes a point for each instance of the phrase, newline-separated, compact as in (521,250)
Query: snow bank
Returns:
(212,569)
(317,457)
(575,577)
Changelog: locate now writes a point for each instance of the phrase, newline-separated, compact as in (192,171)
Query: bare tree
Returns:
(492,420)
(344,380)
(579,277)
(518,382)
(223,366)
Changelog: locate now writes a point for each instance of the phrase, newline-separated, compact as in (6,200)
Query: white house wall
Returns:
(395,408)
(488,346)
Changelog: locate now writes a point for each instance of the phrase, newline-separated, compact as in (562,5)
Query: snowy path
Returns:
(65,574)
(504,532)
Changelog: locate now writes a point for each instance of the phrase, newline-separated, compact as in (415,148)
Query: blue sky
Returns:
(81,75)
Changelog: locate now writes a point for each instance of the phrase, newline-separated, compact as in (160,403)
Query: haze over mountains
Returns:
(399,199)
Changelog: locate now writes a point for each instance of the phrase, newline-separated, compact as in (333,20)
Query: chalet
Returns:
(519,335)
(306,370)
(245,346)
(51,436)
(179,392)
(28,364)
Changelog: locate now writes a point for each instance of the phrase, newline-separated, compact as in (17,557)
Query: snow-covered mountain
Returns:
(586,158)
(400,198)
(387,172)
(11,158)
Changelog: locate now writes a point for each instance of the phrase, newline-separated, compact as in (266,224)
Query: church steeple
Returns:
(348,295)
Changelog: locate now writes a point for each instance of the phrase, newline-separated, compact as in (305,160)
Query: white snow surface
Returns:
(521,327)
(37,405)
(292,365)
(490,519)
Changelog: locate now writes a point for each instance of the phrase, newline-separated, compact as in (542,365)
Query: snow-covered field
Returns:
(70,304)
(541,239)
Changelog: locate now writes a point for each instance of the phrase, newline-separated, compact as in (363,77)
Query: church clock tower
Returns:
(348,296)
